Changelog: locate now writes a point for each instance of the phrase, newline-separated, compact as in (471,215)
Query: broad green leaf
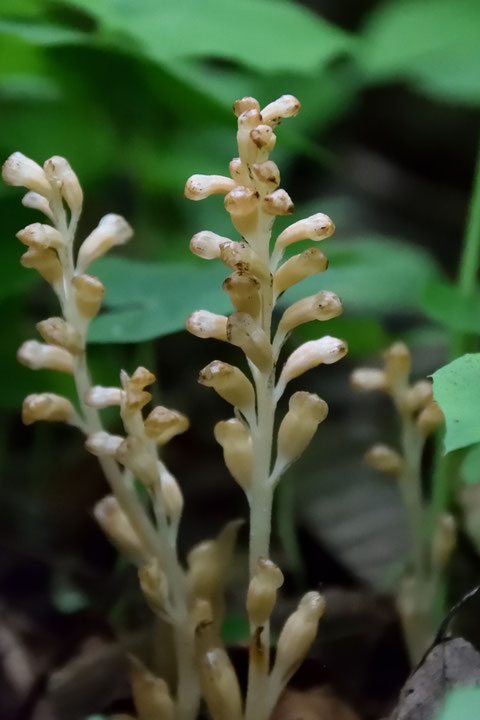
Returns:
(42,34)
(456,388)
(147,300)
(470,470)
(297,40)
(445,304)
(461,704)
(375,275)
(435,44)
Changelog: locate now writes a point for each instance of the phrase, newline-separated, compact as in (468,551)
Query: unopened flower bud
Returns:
(245,333)
(111,230)
(47,406)
(444,541)
(298,634)
(268,174)
(136,457)
(236,442)
(230,383)
(154,584)
(103,444)
(89,293)
(244,291)
(21,171)
(61,175)
(317,227)
(324,351)
(117,527)
(397,365)
(150,694)
(171,494)
(40,237)
(199,187)
(56,331)
(430,419)
(46,262)
(262,591)
(100,397)
(384,458)
(206,244)
(205,324)
(241,203)
(162,424)
(239,256)
(418,396)
(36,356)
(141,378)
(325,305)
(246,103)
(368,379)
(238,171)
(219,683)
(306,411)
(278,203)
(35,201)
(263,137)
(299,267)
(204,572)
(284,107)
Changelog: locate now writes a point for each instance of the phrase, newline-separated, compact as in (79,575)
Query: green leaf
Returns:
(456,388)
(297,40)
(435,44)
(470,470)
(42,34)
(374,275)
(445,304)
(147,300)
(461,704)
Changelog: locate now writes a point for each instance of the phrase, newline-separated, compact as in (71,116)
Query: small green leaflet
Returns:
(456,388)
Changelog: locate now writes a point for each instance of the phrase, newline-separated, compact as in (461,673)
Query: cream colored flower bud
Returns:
(397,364)
(40,237)
(136,457)
(430,419)
(20,171)
(368,379)
(61,175)
(268,174)
(239,256)
(324,351)
(263,137)
(244,104)
(418,396)
(199,187)
(103,444)
(241,201)
(244,291)
(35,201)
(220,687)
(262,591)
(245,333)
(317,227)
(230,383)
(37,356)
(162,424)
(154,584)
(306,412)
(117,527)
(150,694)
(141,378)
(249,119)
(100,397)
(204,572)
(298,634)
(444,541)
(236,442)
(299,267)
(171,494)
(238,171)
(325,305)
(89,293)
(111,230)
(46,262)
(56,331)
(384,458)
(206,244)
(278,203)
(47,406)
(284,107)
(205,324)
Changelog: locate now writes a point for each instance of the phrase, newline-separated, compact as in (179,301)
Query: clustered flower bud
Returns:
(236,441)
(150,693)
(306,411)
(111,230)
(262,591)
(117,527)
(384,458)
(36,356)
(47,406)
(230,383)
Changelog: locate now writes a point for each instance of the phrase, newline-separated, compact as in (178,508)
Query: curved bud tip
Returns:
(245,104)
(20,171)
(284,107)
(199,187)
